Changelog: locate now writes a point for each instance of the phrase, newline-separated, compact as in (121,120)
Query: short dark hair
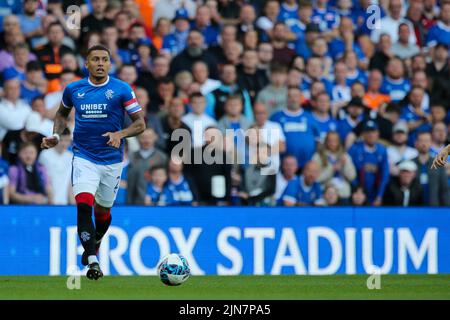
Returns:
(234,97)
(39,97)
(196,95)
(158,167)
(55,23)
(33,66)
(98,47)
(278,68)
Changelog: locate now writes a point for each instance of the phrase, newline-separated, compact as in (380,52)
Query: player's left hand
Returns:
(114,139)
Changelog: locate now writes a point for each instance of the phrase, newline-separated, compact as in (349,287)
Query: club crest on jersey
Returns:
(109,94)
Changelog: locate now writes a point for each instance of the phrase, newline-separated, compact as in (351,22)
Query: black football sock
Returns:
(86,230)
(102,224)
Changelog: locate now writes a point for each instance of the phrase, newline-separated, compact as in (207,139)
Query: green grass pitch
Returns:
(229,287)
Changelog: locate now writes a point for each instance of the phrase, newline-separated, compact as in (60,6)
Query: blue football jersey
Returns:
(99,109)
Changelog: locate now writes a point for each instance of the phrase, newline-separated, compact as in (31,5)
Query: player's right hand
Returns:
(440,159)
(49,142)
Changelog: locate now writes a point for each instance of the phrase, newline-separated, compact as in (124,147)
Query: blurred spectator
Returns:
(200,73)
(203,23)
(29,182)
(57,162)
(305,190)
(434,182)
(438,66)
(256,186)
(183,190)
(326,18)
(21,55)
(414,15)
(391,22)
(206,167)
(265,56)
(414,115)
(140,162)
(229,86)
(53,100)
(13,111)
(175,42)
(228,35)
(359,198)
(198,120)
(165,92)
(405,190)
(403,48)
(249,76)
(50,54)
(157,194)
(233,118)
(394,83)
(172,122)
(159,71)
(168,8)
(321,113)
(373,98)
(274,95)
(341,90)
(440,33)
(282,53)
(43,123)
(288,172)
(193,52)
(335,165)
(4,179)
(353,115)
(371,163)
(30,21)
(96,20)
(439,136)
(399,151)
(330,197)
(299,127)
(314,72)
(383,54)
(272,134)
(34,84)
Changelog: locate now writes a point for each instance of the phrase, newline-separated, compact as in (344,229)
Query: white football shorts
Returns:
(100,180)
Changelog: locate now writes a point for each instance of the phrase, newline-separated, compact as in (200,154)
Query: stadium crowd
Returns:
(350,99)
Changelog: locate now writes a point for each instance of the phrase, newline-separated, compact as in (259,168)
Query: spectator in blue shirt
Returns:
(345,41)
(182,190)
(305,190)
(352,117)
(440,32)
(299,128)
(288,10)
(314,71)
(175,42)
(21,54)
(371,163)
(34,84)
(30,22)
(395,84)
(415,116)
(326,18)
(203,24)
(321,114)
(158,194)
